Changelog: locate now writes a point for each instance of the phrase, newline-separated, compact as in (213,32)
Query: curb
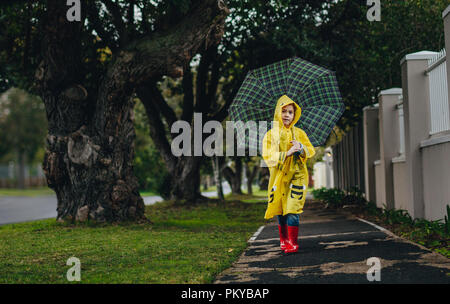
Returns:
(255,235)
(375,225)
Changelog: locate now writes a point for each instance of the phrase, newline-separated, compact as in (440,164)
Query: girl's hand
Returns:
(296,143)
(297,147)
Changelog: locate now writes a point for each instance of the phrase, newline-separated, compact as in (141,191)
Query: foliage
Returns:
(23,124)
(372,209)
(20,38)
(333,197)
(354,197)
(396,216)
(366,55)
(148,164)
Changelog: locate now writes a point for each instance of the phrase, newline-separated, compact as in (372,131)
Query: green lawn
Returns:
(148,193)
(27,192)
(184,244)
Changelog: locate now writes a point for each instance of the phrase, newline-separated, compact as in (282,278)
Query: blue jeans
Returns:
(290,219)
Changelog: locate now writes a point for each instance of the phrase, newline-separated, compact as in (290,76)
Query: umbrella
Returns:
(312,87)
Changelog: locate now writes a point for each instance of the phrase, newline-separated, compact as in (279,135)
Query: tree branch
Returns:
(188,97)
(93,13)
(202,77)
(130,24)
(223,112)
(213,83)
(161,104)
(157,130)
(162,53)
(170,51)
(116,13)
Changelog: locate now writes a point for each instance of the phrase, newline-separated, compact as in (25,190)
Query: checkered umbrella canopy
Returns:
(313,88)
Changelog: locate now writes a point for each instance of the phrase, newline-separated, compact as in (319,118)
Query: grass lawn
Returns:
(148,193)
(183,244)
(27,192)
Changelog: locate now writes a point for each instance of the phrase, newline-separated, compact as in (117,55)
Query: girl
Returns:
(285,151)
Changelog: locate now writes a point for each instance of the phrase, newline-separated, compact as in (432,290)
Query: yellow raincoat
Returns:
(288,175)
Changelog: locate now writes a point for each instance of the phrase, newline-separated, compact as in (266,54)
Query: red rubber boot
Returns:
(282,230)
(292,243)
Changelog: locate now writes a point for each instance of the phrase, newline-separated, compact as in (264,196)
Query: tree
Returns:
(252,167)
(89,102)
(22,127)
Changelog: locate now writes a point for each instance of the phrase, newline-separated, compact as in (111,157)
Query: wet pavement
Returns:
(336,248)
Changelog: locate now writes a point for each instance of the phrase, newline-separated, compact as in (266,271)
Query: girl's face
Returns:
(287,114)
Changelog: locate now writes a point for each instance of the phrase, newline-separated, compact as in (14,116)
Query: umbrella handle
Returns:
(293,135)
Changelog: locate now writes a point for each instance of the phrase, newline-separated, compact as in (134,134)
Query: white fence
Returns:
(439,108)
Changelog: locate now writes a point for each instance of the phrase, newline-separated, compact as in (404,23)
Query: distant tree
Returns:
(252,167)
(23,126)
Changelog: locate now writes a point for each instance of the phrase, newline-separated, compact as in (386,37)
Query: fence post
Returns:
(389,143)
(371,149)
(416,113)
(446,17)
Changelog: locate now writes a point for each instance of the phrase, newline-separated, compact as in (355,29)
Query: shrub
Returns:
(354,197)
(334,197)
(372,209)
(396,216)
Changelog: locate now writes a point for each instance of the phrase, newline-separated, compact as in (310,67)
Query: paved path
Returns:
(334,248)
(14,209)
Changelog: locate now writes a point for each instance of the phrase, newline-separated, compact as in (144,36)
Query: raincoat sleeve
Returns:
(271,152)
(309,150)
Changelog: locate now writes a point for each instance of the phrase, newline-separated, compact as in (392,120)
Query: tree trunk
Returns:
(250,174)
(185,180)
(88,162)
(21,170)
(234,178)
(90,143)
(264,176)
(184,171)
(217,177)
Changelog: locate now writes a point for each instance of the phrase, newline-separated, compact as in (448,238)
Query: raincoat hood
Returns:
(284,101)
